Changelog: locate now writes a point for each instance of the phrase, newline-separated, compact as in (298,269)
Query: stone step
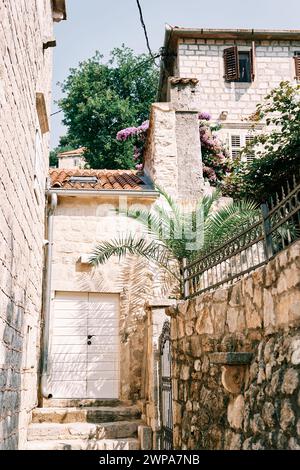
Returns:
(100,414)
(80,444)
(57,431)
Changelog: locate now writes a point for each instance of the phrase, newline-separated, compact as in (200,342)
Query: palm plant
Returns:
(175,234)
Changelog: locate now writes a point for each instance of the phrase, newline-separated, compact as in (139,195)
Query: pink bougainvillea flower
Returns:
(136,153)
(144,126)
(203,116)
(139,166)
(209,173)
(124,134)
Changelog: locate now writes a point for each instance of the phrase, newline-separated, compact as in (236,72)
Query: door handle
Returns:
(90,336)
(89,343)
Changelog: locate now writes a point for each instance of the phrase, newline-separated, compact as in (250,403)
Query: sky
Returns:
(102,25)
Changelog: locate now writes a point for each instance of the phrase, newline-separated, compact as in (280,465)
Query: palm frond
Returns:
(134,274)
(171,203)
(154,225)
(206,203)
(227,221)
(151,250)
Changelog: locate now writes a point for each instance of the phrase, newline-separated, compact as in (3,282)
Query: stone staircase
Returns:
(117,427)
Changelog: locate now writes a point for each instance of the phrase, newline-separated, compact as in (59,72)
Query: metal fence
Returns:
(165,389)
(277,226)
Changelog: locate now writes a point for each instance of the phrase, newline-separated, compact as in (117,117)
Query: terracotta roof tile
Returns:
(107,179)
(70,153)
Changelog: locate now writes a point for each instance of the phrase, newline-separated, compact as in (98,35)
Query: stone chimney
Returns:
(173,150)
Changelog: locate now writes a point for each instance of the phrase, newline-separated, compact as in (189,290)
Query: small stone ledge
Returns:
(183,81)
(160,303)
(231,358)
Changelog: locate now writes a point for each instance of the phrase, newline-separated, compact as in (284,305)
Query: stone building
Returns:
(71,158)
(234,71)
(26,38)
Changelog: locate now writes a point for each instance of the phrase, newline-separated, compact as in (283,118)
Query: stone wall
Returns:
(219,401)
(25,69)
(203,59)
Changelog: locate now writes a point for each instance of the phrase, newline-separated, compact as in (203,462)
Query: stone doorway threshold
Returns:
(78,403)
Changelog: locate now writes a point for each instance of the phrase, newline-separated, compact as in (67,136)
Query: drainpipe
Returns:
(47,298)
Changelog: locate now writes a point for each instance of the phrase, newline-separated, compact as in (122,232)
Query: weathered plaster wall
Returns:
(203,59)
(81,222)
(71,162)
(24,70)
(258,314)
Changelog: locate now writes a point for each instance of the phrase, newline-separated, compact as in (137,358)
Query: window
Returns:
(235,146)
(297,64)
(239,65)
(250,155)
(237,143)
(84,179)
(245,67)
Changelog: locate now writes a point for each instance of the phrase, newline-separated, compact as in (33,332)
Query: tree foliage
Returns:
(277,150)
(215,157)
(104,97)
(174,233)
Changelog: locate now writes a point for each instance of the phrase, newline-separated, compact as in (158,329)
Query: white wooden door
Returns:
(85,346)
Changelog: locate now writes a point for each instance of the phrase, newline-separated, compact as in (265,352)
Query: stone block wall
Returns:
(25,69)
(226,406)
(203,59)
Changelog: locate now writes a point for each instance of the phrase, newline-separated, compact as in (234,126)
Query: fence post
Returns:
(186,285)
(267,231)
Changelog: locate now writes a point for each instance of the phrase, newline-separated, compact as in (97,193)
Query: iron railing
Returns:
(277,226)
(165,389)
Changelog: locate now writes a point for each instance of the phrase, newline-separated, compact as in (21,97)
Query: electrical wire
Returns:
(56,112)
(145,32)
(151,59)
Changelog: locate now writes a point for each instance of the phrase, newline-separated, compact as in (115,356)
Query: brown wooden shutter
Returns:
(253,61)
(231,63)
(297,67)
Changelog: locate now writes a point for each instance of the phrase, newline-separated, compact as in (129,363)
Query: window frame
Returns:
(232,69)
(296,58)
(249,67)
(243,137)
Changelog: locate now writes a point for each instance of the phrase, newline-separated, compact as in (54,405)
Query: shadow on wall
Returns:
(137,282)
(10,379)
(134,282)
